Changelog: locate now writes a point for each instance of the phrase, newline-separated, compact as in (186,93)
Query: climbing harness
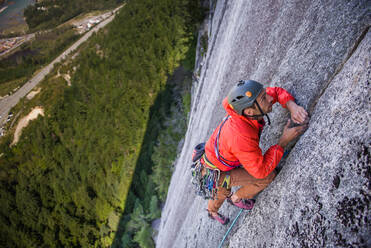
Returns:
(206,185)
(227,179)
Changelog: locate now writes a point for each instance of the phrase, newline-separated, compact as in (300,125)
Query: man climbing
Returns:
(233,148)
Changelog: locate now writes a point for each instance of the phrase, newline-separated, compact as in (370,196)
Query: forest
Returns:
(50,13)
(167,126)
(66,183)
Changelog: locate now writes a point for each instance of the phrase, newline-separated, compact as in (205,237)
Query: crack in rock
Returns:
(338,69)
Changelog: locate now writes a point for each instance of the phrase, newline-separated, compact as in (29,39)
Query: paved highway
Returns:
(8,102)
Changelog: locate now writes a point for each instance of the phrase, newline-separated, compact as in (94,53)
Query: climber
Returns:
(234,150)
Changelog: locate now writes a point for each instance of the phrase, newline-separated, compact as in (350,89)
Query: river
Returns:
(12,15)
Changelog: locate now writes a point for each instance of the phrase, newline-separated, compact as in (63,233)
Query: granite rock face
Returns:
(320,52)
(321,197)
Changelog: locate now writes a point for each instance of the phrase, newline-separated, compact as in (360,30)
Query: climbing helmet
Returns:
(243,95)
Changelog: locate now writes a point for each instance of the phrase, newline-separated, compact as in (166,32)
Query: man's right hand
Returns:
(291,133)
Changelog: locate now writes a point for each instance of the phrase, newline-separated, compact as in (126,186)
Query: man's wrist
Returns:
(290,105)
(283,148)
(282,144)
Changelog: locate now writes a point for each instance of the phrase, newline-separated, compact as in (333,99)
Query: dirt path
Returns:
(7,103)
(24,122)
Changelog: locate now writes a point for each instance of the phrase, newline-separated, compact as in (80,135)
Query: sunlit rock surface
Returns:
(320,52)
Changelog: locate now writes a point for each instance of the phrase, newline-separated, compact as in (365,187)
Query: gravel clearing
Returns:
(35,112)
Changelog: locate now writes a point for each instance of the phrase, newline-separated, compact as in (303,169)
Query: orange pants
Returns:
(239,177)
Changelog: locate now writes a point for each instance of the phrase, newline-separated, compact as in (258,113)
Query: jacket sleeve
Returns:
(254,162)
(279,95)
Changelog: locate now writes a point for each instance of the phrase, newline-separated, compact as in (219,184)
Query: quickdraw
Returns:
(205,185)
(227,179)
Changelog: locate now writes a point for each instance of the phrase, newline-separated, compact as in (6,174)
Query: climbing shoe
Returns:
(244,203)
(220,218)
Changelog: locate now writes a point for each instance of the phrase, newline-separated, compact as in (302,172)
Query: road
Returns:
(9,102)
(26,38)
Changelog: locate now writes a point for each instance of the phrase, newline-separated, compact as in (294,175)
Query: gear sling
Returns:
(206,185)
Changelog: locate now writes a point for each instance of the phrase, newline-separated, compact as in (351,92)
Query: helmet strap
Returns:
(262,114)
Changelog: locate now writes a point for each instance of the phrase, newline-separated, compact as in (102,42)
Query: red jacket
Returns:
(239,140)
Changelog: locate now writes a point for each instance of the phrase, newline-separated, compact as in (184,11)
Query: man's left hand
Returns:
(298,113)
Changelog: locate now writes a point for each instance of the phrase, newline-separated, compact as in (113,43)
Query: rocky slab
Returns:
(321,198)
(319,51)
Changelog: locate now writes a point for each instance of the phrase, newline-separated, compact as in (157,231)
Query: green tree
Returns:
(144,237)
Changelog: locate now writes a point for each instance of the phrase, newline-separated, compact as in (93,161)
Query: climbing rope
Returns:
(229,229)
